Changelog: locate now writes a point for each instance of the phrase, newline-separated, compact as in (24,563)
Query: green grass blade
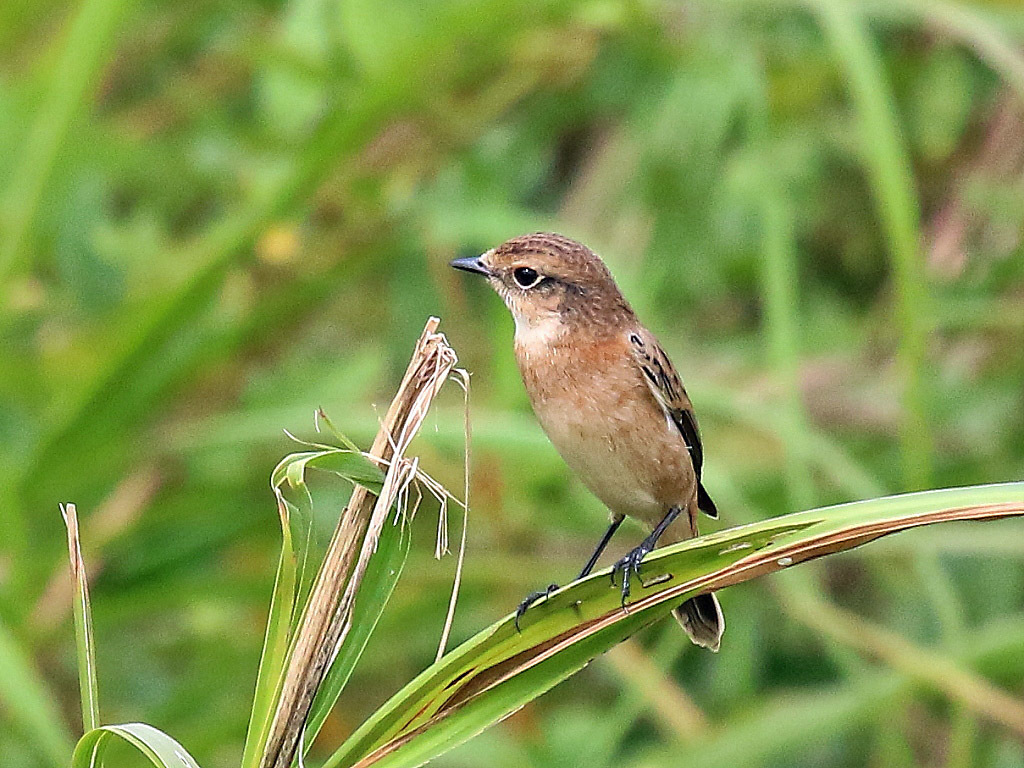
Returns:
(382,575)
(889,172)
(933,668)
(275,645)
(780,281)
(340,461)
(28,704)
(87,47)
(497,671)
(978,28)
(289,477)
(159,748)
(87,684)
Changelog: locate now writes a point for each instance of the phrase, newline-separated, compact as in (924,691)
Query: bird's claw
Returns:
(532,598)
(628,566)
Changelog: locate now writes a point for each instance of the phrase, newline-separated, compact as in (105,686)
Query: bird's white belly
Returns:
(598,451)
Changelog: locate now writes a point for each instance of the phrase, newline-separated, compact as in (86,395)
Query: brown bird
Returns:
(608,398)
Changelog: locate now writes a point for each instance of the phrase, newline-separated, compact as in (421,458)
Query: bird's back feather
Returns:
(667,388)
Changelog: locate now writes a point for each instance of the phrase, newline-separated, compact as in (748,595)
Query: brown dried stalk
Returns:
(327,617)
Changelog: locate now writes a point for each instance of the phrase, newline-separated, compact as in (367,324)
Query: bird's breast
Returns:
(596,409)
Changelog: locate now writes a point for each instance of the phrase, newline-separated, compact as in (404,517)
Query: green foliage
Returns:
(507,665)
(500,669)
(159,748)
(291,587)
(216,218)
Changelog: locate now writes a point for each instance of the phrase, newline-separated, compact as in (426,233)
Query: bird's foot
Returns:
(532,598)
(629,566)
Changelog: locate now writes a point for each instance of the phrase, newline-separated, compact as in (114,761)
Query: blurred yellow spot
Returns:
(278,245)
(25,295)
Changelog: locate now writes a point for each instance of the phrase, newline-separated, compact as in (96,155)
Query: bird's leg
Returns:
(616,522)
(533,597)
(630,564)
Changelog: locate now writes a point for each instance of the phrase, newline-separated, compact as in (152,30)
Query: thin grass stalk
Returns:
(986,31)
(890,742)
(325,620)
(463,379)
(779,280)
(649,675)
(117,513)
(87,46)
(786,727)
(817,448)
(980,33)
(889,171)
(87,685)
(949,609)
(964,731)
(779,287)
(927,667)
(742,510)
(635,699)
(780,283)
(887,162)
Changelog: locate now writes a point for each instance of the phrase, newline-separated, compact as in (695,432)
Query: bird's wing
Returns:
(668,390)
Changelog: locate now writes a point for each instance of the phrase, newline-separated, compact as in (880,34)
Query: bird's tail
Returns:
(702,618)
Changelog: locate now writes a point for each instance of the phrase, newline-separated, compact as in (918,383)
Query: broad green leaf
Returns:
(154,744)
(497,671)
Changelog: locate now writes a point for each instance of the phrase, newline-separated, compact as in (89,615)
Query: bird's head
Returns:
(547,280)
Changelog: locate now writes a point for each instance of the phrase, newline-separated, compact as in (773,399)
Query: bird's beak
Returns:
(471,264)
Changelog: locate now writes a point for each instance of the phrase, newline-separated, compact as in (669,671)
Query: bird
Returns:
(610,401)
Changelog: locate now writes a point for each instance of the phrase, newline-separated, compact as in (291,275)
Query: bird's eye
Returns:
(525,277)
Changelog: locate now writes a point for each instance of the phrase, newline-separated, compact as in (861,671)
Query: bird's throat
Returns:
(537,335)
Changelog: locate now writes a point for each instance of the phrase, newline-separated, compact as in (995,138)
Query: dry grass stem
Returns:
(462,377)
(119,512)
(83,620)
(327,617)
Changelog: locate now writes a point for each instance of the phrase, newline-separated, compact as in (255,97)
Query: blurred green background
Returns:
(215,217)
